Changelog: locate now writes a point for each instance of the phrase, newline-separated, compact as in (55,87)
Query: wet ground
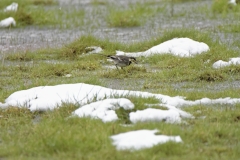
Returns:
(189,14)
(31,38)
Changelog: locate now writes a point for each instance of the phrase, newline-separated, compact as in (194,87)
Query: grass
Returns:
(213,134)
(134,16)
(28,2)
(34,12)
(54,132)
(223,7)
(231,28)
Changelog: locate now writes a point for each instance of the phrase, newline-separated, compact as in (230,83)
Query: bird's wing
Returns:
(123,58)
(120,59)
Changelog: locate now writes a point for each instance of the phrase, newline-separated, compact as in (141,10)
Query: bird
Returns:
(120,60)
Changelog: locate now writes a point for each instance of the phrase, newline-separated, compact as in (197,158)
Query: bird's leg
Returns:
(116,66)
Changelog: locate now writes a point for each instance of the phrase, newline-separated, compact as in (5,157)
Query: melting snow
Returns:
(183,47)
(50,97)
(221,63)
(136,140)
(12,7)
(232,2)
(104,109)
(152,114)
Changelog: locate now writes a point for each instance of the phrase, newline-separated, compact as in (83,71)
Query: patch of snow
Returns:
(221,63)
(93,49)
(232,2)
(13,7)
(8,22)
(109,67)
(152,114)
(50,97)
(183,47)
(104,109)
(68,75)
(141,139)
(181,112)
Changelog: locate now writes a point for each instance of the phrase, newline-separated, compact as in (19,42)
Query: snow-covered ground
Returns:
(50,97)
(107,100)
(183,47)
(104,109)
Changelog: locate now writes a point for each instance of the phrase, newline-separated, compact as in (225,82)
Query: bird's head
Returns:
(133,59)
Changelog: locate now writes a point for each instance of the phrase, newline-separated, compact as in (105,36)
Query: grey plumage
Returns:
(122,61)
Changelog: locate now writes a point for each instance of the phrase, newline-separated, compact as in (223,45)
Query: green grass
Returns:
(231,28)
(213,134)
(5,3)
(34,12)
(223,7)
(74,60)
(133,16)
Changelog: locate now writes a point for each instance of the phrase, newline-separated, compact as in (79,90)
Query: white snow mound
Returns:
(7,22)
(93,49)
(104,109)
(183,47)
(152,114)
(221,63)
(232,2)
(141,139)
(13,7)
(49,97)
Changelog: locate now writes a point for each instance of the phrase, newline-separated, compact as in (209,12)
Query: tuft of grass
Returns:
(98,2)
(79,46)
(211,76)
(223,7)
(220,6)
(29,15)
(165,67)
(134,16)
(181,1)
(36,13)
(232,28)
